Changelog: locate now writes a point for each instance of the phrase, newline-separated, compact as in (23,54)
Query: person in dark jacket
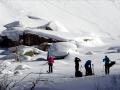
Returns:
(77,60)
(88,68)
(107,62)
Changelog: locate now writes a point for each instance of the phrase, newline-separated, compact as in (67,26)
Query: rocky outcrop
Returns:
(6,42)
(39,31)
(33,39)
(27,39)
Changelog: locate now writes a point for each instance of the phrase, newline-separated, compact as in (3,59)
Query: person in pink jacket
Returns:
(50,63)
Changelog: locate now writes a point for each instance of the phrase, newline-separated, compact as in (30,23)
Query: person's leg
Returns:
(107,67)
(86,71)
(90,71)
(106,71)
(76,68)
(51,67)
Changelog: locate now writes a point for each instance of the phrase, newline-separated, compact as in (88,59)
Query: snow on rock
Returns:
(12,35)
(57,26)
(90,41)
(89,53)
(30,22)
(36,50)
(22,67)
(46,34)
(23,49)
(13,24)
(62,49)
(113,49)
(2,29)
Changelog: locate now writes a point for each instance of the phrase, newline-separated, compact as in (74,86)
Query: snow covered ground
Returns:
(91,28)
(63,76)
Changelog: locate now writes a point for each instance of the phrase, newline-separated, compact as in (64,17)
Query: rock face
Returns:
(6,42)
(26,39)
(37,32)
(32,39)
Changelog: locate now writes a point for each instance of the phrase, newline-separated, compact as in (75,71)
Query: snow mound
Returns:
(89,53)
(90,41)
(114,49)
(31,22)
(57,26)
(22,67)
(56,36)
(24,49)
(62,48)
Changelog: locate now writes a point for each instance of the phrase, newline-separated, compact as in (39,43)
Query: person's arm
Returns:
(109,60)
(79,59)
(103,60)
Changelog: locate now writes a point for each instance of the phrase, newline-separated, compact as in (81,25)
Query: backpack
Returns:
(78,74)
(111,63)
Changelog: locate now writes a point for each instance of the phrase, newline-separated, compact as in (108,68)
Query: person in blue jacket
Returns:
(107,63)
(88,68)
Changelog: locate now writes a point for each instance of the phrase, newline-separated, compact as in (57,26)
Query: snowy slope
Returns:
(82,16)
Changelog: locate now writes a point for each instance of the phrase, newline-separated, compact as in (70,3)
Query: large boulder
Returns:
(31,31)
(61,49)
(33,39)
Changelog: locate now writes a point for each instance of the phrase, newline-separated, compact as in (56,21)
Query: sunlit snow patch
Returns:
(22,67)
(57,26)
(90,41)
(62,49)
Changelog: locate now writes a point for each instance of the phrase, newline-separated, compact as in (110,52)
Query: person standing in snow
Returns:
(50,63)
(88,68)
(107,62)
(77,60)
